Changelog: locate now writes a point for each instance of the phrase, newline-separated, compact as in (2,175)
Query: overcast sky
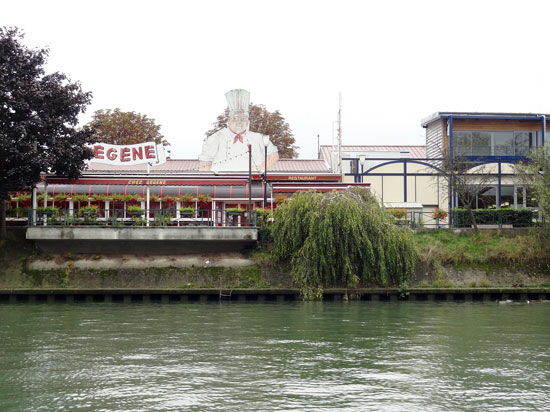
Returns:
(394,62)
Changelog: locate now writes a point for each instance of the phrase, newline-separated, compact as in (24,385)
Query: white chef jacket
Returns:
(230,156)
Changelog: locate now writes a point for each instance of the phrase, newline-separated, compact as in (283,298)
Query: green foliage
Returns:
(89,211)
(38,117)
(21,197)
(517,218)
(134,208)
(341,239)
(234,210)
(118,127)
(489,251)
(48,209)
(536,172)
(79,198)
(263,222)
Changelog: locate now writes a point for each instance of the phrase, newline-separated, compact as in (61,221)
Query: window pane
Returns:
(507,196)
(523,142)
(503,143)
(462,143)
(487,198)
(481,144)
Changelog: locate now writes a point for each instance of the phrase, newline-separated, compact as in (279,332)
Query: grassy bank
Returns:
(486,248)
(444,260)
(509,259)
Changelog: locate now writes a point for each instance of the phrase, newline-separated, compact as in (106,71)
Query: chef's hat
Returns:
(237,99)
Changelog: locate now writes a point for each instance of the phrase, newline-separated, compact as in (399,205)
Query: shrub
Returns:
(517,218)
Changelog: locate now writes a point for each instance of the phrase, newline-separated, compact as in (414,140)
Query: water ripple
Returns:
(239,357)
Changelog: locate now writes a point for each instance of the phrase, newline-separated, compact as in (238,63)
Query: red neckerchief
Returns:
(238,136)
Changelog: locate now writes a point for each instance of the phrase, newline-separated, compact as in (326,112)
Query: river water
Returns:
(357,356)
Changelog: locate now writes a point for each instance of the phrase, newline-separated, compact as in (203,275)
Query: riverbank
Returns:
(447,263)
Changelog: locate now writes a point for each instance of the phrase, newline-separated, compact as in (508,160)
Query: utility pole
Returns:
(249,217)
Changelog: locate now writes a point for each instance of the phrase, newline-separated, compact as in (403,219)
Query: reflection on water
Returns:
(302,356)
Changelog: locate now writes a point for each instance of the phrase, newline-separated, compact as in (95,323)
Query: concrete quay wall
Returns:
(495,295)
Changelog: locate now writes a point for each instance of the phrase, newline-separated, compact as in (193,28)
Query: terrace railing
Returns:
(135,217)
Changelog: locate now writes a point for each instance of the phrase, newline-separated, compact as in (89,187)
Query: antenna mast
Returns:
(340,134)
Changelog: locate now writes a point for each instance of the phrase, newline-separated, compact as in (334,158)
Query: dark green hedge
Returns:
(517,218)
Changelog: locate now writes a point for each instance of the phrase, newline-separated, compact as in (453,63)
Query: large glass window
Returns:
(485,197)
(496,143)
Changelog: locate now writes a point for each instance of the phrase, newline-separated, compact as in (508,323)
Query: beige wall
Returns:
(430,191)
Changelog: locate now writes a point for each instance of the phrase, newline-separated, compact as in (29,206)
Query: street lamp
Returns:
(266,143)
(362,163)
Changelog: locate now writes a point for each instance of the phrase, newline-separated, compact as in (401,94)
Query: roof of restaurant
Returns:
(192,165)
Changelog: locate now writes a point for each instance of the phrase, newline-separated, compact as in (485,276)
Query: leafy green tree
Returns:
(341,239)
(38,119)
(535,172)
(118,127)
(265,122)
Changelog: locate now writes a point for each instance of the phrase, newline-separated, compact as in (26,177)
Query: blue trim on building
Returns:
(405,180)
(542,130)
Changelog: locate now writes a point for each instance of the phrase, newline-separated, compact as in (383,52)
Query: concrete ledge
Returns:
(494,226)
(142,240)
(142,233)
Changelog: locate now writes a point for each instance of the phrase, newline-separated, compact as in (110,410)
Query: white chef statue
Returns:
(227,149)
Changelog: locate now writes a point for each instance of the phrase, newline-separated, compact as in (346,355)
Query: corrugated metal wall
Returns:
(434,139)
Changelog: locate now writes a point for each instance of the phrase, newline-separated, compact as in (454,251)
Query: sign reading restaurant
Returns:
(123,155)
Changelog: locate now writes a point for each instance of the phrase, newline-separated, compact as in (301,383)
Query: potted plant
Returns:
(187,211)
(234,211)
(185,198)
(89,211)
(48,210)
(399,214)
(439,214)
(60,197)
(134,210)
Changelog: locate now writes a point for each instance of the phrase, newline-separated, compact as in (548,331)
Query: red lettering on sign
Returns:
(98,152)
(137,153)
(125,154)
(149,152)
(111,154)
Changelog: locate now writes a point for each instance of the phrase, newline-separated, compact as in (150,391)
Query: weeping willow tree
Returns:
(341,239)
